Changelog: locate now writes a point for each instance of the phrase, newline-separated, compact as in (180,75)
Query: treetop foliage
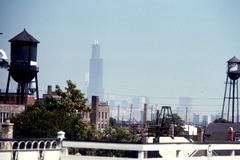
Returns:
(68,100)
(46,118)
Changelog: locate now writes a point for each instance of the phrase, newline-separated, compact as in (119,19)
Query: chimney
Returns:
(145,114)
(200,134)
(7,130)
(49,90)
(94,112)
(7,133)
(230,134)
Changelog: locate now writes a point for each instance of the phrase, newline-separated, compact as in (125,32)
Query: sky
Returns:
(163,49)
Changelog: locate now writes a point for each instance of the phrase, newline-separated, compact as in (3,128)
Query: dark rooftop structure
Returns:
(218,131)
(24,36)
(233,60)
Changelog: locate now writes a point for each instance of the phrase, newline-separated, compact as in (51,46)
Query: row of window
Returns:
(4,116)
(102,125)
(102,113)
(85,115)
(2,98)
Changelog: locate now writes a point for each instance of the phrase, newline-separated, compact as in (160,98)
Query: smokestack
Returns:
(200,134)
(145,114)
(94,112)
(49,90)
(230,134)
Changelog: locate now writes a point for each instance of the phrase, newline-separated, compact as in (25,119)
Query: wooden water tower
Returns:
(23,66)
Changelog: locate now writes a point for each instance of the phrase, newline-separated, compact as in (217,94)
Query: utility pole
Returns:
(118,113)
(151,113)
(122,118)
(186,118)
(130,118)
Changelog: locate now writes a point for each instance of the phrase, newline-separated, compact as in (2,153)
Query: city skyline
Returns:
(159,49)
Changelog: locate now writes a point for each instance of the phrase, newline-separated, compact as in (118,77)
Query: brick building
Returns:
(9,110)
(50,93)
(14,98)
(99,114)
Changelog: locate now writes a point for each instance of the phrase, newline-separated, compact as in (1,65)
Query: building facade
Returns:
(99,114)
(95,87)
(13,98)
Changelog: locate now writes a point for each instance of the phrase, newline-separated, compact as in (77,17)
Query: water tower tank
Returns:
(23,66)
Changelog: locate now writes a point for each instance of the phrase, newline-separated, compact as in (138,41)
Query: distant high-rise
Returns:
(95,87)
(184,109)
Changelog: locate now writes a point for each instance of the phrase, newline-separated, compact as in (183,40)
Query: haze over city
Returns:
(160,49)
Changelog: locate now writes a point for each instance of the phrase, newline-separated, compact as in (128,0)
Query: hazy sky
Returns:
(155,48)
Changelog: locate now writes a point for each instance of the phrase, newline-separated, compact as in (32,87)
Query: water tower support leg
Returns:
(224,98)
(37,93)
(7,89)
(22,93)
(229,99)
(237,103)
(233,102)
(18,93)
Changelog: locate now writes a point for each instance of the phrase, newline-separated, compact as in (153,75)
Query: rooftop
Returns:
(24,36)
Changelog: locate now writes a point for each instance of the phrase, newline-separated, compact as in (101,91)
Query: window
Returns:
(105,115)
(102,115)
(4,116)
(99,115)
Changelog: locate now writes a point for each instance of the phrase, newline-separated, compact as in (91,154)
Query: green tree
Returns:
(177,121)
(220,120)
(119,134)
(45,119)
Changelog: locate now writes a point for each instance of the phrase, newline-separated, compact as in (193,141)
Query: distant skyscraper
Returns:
(95,87)
(196,119)
(184,109)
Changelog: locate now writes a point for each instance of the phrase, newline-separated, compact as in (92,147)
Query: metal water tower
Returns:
(231,89)
(23,66)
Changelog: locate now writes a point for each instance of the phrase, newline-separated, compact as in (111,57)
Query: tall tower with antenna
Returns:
(231,99)
(95,87)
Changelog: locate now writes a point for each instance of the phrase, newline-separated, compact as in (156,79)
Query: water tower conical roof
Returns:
(233,60)
(24,36)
